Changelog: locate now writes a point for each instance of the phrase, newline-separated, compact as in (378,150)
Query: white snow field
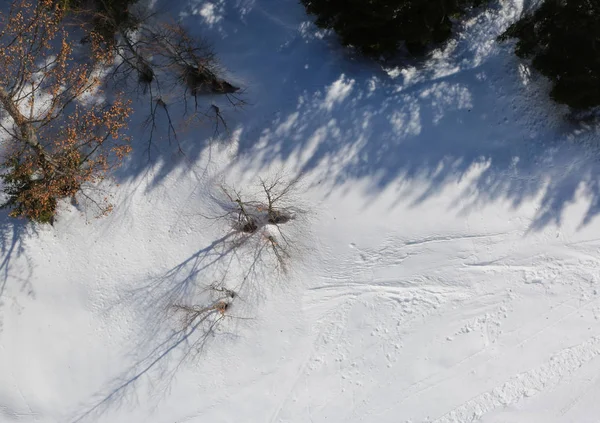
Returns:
(446,265)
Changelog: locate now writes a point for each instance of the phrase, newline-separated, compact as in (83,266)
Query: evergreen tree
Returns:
(562,38)
(379,27)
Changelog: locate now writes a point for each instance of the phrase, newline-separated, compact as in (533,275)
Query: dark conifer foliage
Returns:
(380,27)
(562,39)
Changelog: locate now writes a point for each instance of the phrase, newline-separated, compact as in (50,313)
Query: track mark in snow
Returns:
(7,414)
(391,256)
(589,386)
(390,286)
(576,309)
(496,267)
(434,380)
(411,301)
(435,239)
(527,384)
(489,323)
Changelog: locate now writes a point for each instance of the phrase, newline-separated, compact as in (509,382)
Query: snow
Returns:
(445,269)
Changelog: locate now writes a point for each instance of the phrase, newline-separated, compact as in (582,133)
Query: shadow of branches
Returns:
(166,340)
(204,296)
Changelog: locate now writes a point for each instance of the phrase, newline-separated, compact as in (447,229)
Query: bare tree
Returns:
(217,304)
(56,139)
(259,219)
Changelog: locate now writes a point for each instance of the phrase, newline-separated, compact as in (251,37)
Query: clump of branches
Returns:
(216,306)
(164,61)
(146,46)
(196,326)
(104,17)
(260,237)
(259,224)
(259,219)
(176,68)
(56,141)
(191,60)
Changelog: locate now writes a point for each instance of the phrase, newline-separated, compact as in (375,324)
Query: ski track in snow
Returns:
(433,291)
(526,384)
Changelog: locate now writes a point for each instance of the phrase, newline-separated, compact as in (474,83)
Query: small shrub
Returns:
(261,221)
(271,208)
(191,60)
(166,62)
(379,27)
(28,196)
(107,17)
(561,39)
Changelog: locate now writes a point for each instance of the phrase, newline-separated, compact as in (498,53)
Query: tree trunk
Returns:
(26,129)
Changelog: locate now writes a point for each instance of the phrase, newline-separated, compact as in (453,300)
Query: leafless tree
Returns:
(259,219)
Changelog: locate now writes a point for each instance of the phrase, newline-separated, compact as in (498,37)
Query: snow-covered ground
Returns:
(445,268)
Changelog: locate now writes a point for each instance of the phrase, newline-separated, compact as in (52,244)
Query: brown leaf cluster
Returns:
(58,138)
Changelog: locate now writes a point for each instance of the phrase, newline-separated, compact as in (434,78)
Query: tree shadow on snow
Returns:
(470,111)
(15,266)
(181,311)
(166,339)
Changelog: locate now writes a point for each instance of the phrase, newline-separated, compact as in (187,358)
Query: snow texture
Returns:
(445,268)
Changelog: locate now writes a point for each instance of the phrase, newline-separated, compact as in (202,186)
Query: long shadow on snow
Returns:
(471,110)
(159,361)
(12,233)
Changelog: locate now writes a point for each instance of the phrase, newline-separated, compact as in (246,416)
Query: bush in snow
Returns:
(262,220)
(379,27)
(107,17)
(161,59)
(561,39)
(54,146)
(209,314)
